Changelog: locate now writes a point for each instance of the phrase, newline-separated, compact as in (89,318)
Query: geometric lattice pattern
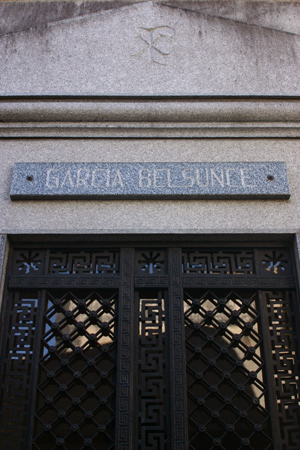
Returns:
(281,319)
(93,355)
(76,392)
(20,332)
(274,261)
(218,262)
(152,374)
(66,262)
(227,394)
(103,261)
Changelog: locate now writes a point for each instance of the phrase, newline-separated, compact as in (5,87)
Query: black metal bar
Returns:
(20,319)
(150,369)
(64,282)
(178,414)
(267,346)
(126,383)
(296,309)
(4,332)
(35,366)
(151,281)
(237,281)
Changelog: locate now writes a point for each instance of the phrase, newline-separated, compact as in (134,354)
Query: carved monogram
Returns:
(155,43)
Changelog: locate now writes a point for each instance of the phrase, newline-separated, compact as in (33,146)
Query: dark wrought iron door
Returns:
(150,348)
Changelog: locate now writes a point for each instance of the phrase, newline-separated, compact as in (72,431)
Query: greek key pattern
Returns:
(267,262)
(155,281)
(21,319)
(285,357)
(218,262)
(250,281)
(177,386)
(151,264)
(124,432)
(64,282)
(56,262)
(152,374)
(100,262)
(200,348)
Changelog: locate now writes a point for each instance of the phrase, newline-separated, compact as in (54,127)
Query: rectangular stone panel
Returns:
(256,180)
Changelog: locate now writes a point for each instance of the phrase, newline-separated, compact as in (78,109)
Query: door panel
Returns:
(226,381)
(150,348)
(76,388)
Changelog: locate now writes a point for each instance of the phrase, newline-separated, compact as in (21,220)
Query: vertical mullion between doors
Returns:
(125,381)
(177,366)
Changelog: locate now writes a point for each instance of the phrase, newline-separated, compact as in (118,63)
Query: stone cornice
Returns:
(149,118)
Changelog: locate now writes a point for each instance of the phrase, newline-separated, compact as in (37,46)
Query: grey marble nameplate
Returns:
(257,180)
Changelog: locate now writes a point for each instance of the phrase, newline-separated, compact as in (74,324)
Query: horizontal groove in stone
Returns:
(129,111)
(150,130)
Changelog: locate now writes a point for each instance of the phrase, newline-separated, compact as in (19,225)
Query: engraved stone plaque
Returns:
(227,180)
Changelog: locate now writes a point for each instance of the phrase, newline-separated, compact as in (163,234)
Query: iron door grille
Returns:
(150,348)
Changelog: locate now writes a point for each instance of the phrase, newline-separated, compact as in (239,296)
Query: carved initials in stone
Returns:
(156,41)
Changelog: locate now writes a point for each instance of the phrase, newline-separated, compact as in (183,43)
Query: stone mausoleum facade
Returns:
(149,225)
